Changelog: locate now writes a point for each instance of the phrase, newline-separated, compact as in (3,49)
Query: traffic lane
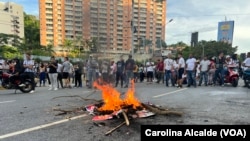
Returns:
(94,96)
(188,119)
(34,109)
(215,105)
(84,129)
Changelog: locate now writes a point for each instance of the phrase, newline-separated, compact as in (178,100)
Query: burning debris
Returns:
(112,106)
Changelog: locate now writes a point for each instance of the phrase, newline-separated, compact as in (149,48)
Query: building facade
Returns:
(109,21)
(11,19)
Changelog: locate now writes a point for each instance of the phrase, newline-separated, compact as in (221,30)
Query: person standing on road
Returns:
(246,65)
(120,70)
(53,73)
(59,74)
(65,71)
(168,66)
(219,72)
(191,65)
(42,74)
(211,71)
(150,70)
(129,67)
(204,68)
(92,67)
(181,68)
(160,71)
(112,72)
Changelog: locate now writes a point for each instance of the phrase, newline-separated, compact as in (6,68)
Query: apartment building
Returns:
(11,19)
(107,20)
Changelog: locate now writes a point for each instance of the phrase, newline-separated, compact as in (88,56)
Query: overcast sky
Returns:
(189,16)
(203,16)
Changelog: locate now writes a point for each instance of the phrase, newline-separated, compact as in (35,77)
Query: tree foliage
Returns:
(211,48)
(31,30)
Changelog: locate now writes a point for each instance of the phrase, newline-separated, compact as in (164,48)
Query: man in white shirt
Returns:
(150,70)
(168,66)
(28,72)
(246,69)
(204,66)
(191,70)
(181,68)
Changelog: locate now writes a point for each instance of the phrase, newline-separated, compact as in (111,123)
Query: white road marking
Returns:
(169,93)
(39,127)
(7,101)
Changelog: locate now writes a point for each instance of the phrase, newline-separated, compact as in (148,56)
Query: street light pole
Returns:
(203,51)
(161,33)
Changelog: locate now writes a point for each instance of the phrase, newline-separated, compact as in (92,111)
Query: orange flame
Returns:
(112,100)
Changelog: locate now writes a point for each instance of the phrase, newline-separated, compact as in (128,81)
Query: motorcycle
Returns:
(232,75)
(8,82)
(246,77)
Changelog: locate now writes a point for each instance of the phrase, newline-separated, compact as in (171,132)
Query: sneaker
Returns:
(222,85)
(55,89)
(32,91)
(21,85)
(50,89)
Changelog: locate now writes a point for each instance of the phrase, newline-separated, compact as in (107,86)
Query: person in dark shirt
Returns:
(53,73)
(129,67)
(219,72)
(160,71)
(120,71)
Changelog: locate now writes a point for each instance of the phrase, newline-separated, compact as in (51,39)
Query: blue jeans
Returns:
(168,75)
(91,77)
(219,73)
(205,75)
(191,77)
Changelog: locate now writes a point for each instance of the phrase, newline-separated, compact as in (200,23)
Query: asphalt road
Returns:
(30,117)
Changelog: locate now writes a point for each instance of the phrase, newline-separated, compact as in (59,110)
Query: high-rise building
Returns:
(109,21)
(11,19)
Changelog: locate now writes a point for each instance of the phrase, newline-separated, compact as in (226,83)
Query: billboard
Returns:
(226,31)
(194,39)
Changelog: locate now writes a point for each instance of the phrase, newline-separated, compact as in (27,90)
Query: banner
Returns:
(225,32)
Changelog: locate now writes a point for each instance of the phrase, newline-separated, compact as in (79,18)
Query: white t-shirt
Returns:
(59,67)
(150,68)
(181,62)
(247,63)
(204,65)
(176,65)
(168,63)
(190,63)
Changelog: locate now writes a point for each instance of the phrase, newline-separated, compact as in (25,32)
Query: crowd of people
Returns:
(169,71)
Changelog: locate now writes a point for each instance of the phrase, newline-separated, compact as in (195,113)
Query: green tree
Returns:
(78,45)
(4,39)
(160,43)
(68,45)
(31,32)
(210,49)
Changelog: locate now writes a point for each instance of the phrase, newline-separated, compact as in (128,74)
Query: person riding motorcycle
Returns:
(18,69)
